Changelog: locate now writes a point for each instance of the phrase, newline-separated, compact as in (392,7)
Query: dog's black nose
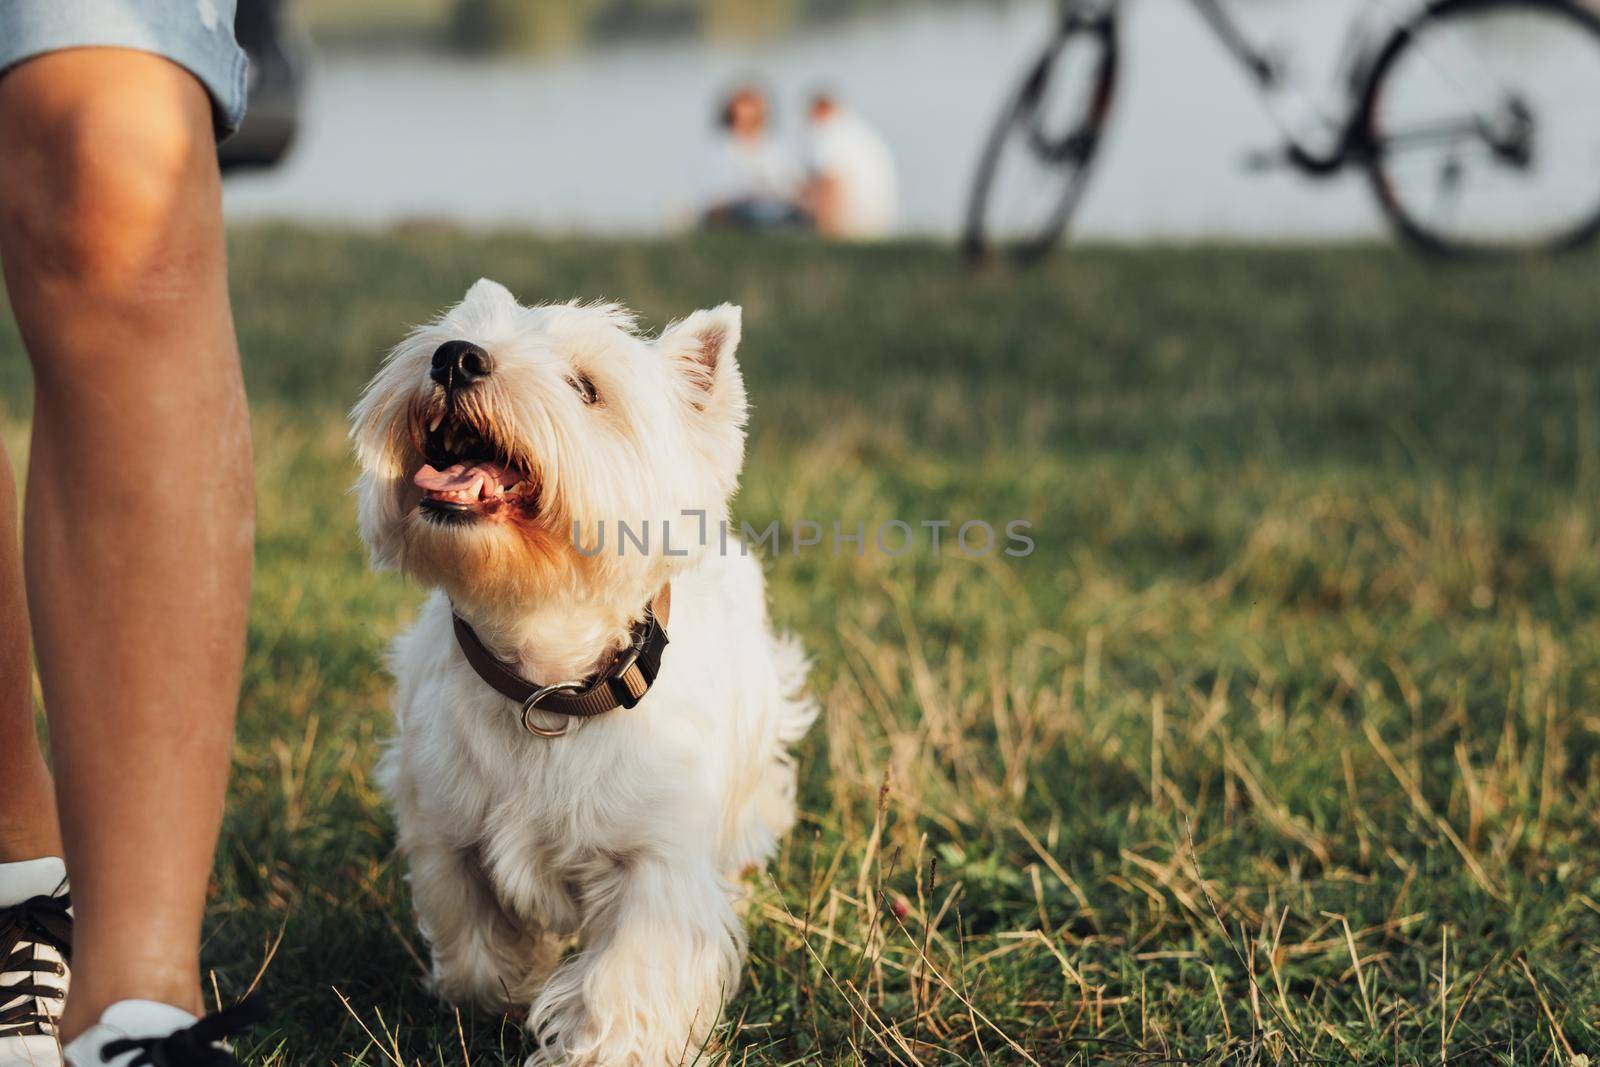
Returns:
(459,363)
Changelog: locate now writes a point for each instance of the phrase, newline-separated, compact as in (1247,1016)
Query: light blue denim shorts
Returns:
(195,34)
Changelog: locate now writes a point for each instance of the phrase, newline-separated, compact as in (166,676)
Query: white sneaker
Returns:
(145,1033)
(35,941)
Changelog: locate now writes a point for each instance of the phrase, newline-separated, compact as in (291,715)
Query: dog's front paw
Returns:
(571,1035)
(633,1005)
(494,965)
(588,1044)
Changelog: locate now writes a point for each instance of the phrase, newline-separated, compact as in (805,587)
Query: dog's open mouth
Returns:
(468,473)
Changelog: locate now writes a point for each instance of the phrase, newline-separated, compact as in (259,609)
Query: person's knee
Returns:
(108,189)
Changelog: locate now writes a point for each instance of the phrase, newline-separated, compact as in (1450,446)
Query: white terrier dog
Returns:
(556,773)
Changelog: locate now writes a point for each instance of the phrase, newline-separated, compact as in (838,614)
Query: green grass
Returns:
(1283,745)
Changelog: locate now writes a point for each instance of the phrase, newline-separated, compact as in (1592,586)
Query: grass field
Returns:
(1283,746)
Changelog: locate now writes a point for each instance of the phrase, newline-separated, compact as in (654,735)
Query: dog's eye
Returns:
(584,387)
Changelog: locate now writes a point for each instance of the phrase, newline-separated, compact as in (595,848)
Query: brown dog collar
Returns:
(622,684)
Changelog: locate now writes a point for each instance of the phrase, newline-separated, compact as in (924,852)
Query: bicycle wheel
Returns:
(1480,126)
(1036,161)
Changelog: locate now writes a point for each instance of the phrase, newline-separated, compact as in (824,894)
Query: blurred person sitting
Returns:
(850,189)
(748,181)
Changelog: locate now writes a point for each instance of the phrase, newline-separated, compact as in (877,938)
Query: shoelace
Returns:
(193,1046)
(39,921)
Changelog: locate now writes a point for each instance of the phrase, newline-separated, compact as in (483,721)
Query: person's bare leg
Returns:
(139,510)
(28,827)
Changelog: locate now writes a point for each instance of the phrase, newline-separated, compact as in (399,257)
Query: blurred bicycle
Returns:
(1477,123)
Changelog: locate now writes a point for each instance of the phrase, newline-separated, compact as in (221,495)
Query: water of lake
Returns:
(607,140)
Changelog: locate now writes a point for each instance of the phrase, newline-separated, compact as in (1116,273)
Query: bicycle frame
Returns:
(1255,61)
(1266,75)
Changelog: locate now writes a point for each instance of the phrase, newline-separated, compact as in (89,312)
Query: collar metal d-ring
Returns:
(532,703)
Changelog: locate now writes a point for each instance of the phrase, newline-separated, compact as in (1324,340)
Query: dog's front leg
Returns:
(480,954)
(661,957)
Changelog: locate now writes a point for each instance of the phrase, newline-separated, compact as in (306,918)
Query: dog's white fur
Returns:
(631,831)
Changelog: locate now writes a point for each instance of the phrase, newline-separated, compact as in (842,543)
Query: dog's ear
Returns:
(702,347)
(378,430)
(488,291)
(378,511)
(378,508)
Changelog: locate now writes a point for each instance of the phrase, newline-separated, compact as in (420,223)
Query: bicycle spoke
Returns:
(1447,132)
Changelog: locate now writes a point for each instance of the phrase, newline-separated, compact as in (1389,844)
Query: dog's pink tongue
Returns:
(465,482)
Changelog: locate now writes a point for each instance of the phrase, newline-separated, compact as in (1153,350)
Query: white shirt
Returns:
(739,169)
(845,149)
